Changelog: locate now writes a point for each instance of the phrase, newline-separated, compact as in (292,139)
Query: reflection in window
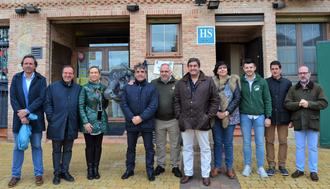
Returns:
(286,47)
(311,33)
(295,51)
(164,38)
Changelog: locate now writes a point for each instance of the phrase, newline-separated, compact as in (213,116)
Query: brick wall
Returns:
(34,29)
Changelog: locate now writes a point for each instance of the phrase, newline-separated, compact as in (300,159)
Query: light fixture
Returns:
(132,7)
(279,4)
(213,4)
(20,11)
(32,9)
(200,2)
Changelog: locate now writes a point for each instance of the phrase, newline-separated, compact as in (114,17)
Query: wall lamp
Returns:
(132,7)
(27,8)
(279,4)
(213,4)
(200,2)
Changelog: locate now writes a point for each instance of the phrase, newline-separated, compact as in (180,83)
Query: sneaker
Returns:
(246,171)
(283,171)
(297,174)
(159,170)
(271,171)
(262,172)
(314,176)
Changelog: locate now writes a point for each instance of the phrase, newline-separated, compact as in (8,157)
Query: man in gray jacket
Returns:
(166,122)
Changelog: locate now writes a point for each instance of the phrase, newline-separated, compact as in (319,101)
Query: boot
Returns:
(96,171)
(90,174)
(97,158)
(89,159)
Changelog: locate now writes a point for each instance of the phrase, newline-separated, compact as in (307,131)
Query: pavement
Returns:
(113,165)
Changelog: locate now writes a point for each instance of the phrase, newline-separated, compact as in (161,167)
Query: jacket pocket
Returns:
(314,122)
(204,123)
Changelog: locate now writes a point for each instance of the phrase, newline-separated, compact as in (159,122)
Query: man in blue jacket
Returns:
(27,94)
(61,108)
(139,103)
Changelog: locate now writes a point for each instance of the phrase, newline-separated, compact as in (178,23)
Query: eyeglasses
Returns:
(303,73)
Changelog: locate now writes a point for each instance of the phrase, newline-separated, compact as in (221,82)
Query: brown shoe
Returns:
(39,181)
(215,172)
(13,182)
(231,173)
(206,181)
(185,179)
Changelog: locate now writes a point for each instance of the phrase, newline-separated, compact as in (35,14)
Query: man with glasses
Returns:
(305,100)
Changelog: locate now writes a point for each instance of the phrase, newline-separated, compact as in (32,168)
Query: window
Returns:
(4,44)
(164,36)
(296,45)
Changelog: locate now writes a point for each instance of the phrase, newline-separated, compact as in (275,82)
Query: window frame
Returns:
(175,19)
(300,45)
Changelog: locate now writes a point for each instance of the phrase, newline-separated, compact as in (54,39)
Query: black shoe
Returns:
(176,171)
(283,171)
(56,179)
(159,170)
(314,176)
(127,174)
(96,171)
(66,176)
(271,171)
(90,174)
(297,174)
(151,177)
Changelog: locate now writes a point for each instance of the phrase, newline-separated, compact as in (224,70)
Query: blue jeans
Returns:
(223,140)
(258,126)
(18,156)
(312,140)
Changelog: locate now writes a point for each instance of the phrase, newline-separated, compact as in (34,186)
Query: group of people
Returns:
(182,110)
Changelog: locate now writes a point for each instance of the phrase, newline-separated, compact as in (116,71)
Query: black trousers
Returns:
(132,138)
(93,148)
(62,153)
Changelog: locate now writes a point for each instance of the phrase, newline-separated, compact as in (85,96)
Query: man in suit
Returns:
(27,94)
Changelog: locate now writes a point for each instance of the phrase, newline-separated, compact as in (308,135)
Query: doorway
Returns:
(86,43)
(235,43)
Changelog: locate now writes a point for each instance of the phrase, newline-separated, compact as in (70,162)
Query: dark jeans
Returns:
(93,148)
(132,138)
(62,153)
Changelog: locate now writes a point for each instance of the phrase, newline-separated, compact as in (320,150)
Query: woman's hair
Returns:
(96,67)
(217,65)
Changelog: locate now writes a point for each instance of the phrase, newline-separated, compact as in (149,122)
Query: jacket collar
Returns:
(142,83)
(309,85)
(172,80)
(257,77)
(36,75)
(202,76)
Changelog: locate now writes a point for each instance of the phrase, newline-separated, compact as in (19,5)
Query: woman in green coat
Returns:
(92,109)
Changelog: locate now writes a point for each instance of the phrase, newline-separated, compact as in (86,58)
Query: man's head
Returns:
(193,66)
(29,64)
(304,74)
(165,72)
(249,67)
(276,69)
(140,72)
(67,73)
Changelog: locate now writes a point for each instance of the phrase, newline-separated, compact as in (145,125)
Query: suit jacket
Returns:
(36,99)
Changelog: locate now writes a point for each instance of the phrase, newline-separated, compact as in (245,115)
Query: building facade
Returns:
(113,33)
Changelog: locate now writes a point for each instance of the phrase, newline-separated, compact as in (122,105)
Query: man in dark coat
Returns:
(305,100)
(196,101)
(280,119)
(139,103)
(27,94)
(61,107)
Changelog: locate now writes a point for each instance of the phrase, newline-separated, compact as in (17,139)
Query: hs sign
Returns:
(205,35)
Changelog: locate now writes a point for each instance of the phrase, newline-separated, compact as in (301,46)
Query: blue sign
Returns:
(205,35)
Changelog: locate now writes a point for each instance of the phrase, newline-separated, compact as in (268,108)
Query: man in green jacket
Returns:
(166,122)
(255,111)
(305,100)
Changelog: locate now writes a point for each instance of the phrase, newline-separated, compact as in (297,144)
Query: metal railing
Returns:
(3,103)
